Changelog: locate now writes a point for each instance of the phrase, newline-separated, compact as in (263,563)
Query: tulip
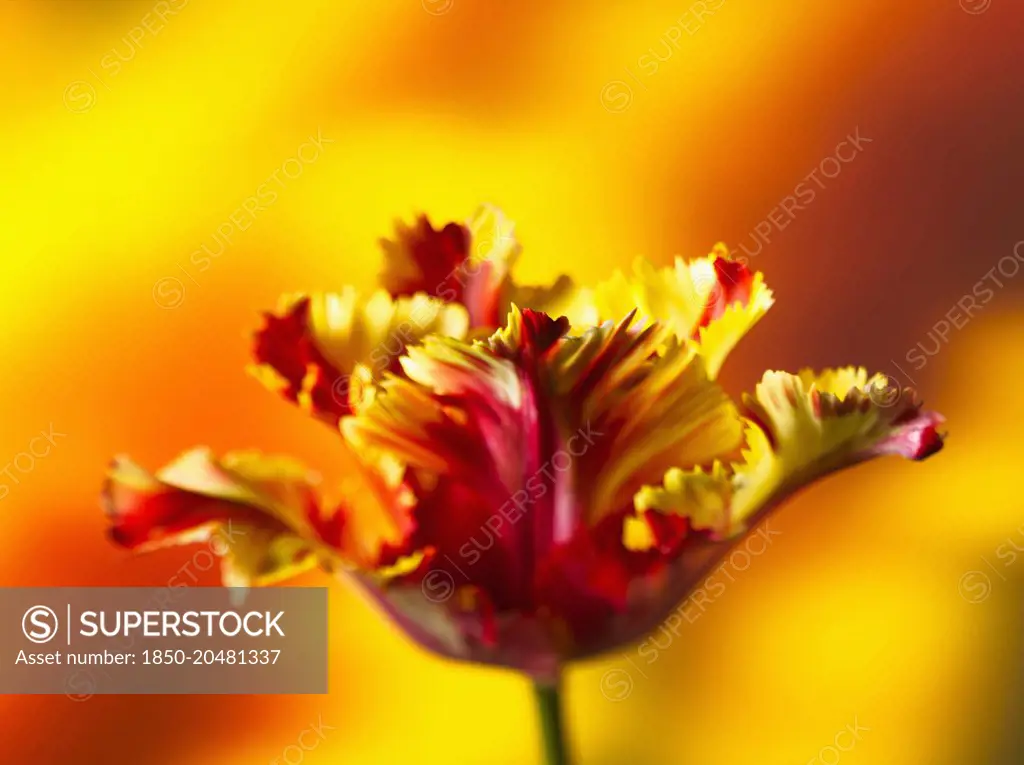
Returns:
(516,489)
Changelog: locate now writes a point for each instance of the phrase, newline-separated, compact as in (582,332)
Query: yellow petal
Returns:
(672,296)
(716,339)
(709,303)
(374,331)
(802,427)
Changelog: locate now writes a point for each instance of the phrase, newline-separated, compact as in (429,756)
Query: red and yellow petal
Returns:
(264,510)
(487,272)
(469,263)
(653,403)
(800,428)
(820,422)
(466,424)
(313,349)
(268,512)
(738,301)
(540,425)
(421,258)
(288,361)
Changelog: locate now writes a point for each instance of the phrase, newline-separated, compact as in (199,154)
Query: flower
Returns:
(513,488)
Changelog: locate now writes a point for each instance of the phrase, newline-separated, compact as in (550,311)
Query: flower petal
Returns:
(738,301)
(492,292)
(311,352)
(818,423)
(646,396)
(709,303)
(673,296)
(651,400)
(467,264)
(424,259)
(557,429)
(488,269)
(466,424)
(289,362)
(801,428)
(470,264)
(263,509)
(267,512)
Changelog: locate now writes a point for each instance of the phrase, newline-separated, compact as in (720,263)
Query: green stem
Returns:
(549,706)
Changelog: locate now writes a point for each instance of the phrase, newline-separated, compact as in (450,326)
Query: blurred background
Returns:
(883,624)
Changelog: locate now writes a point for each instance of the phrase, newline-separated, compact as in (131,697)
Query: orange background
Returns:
(858,610)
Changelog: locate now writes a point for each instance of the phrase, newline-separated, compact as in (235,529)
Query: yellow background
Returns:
(855,613)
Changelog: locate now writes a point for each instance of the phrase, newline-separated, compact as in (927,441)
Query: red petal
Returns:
(917,437)
(426,260)
(285,344)
(734,285)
